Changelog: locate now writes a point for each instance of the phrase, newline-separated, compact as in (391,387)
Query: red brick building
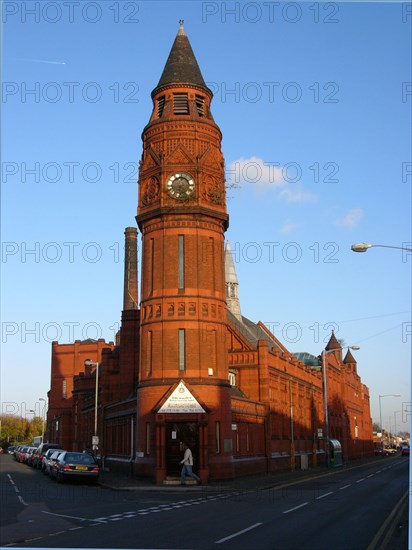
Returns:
(187,366)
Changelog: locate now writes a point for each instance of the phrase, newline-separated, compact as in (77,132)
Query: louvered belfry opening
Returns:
(200,105)
(180,104)
(160,106)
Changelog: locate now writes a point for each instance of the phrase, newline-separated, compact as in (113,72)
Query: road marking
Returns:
(325,495)
(370,475)
(238,533)
(345,487)
(378,472)
(382,537)
(295,508)
(55,534)
(66,516)
(16,489)
(360,480)
(22,501)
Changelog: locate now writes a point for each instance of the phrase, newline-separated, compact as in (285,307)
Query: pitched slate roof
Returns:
(253,332)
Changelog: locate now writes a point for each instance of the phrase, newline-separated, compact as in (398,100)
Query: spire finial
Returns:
(181,30)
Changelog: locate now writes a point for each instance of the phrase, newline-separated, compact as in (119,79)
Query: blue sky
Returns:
(314,103)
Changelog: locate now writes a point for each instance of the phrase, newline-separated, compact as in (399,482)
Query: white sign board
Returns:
(181,401)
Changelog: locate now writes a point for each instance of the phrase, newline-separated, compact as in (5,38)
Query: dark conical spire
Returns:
(333,343)
(349,358)
(181,65)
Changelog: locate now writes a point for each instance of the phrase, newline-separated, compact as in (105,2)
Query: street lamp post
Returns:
(90,363)
(325,398)
(363,247)
(394,414)
(43,418)
(380,412)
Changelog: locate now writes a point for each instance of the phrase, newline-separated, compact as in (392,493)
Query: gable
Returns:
(181,400)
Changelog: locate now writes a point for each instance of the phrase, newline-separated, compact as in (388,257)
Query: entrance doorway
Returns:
(178,433)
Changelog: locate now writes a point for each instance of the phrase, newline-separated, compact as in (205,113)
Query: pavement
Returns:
(123,482)
(393,534)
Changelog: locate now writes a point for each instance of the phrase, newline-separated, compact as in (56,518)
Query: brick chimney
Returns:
(130,269)
(129,330)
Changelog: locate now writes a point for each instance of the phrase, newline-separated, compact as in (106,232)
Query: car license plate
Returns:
(82,468)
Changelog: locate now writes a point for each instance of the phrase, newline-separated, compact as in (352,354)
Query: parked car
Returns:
(15,452)
(390,451)
(21,453)
(49,458)
(28,459)
(11,449)
(405,451)
(41,451)
(73,465)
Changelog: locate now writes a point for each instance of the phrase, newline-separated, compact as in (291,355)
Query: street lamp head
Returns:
(89,363)
(363,247)
(325,352)
(360,247)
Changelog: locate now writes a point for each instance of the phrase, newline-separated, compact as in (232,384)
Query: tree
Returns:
(16,429)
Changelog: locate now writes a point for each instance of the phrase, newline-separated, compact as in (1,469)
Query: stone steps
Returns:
(176,481)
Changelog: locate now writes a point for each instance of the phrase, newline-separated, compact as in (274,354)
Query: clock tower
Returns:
(183,391)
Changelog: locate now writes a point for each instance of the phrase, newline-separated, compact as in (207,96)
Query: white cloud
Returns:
(351,219)
(288,227)
(266,175)
(254,171)
(296,195)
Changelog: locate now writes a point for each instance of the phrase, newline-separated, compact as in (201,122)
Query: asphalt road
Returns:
(344,510)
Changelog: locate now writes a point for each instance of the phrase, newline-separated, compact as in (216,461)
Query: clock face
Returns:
(180,186)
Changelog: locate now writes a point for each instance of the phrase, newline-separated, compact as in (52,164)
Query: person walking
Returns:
(187,462)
